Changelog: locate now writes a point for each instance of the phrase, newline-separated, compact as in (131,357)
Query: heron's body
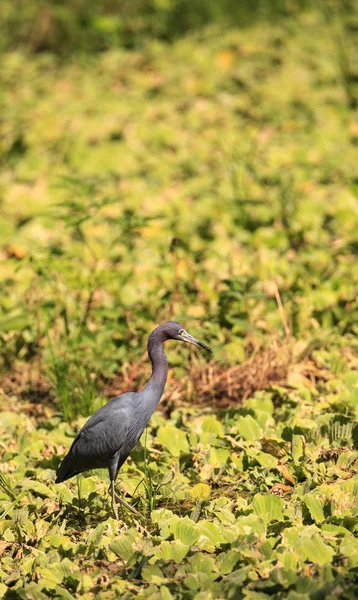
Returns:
(109,436)
(114,439)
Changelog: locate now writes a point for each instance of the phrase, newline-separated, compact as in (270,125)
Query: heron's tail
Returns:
(65,471)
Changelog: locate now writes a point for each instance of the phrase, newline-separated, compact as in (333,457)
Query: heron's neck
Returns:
(156,384)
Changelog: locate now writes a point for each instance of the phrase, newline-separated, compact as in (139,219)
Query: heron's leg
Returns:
(114,505)
(128,506)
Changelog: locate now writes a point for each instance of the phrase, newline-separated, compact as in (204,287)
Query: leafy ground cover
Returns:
(213,182)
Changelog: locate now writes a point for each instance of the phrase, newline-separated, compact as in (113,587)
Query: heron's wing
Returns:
(101,440)
(109,410)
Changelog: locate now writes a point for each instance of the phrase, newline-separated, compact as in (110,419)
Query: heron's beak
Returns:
(186,337)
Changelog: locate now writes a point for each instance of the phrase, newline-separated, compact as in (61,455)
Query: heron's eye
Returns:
(181,332)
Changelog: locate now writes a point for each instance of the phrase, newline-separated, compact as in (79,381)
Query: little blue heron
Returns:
(108,437)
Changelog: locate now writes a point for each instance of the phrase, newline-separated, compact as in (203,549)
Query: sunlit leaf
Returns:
(173,439)
(123,545)
(268,507)
(186,531)
(248,428)
(174,550)
(200,491)
(314,549)
(315,507)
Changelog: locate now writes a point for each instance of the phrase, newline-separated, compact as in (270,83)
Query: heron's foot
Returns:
(128,506)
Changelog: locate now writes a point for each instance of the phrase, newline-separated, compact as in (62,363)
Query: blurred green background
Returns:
(64,27)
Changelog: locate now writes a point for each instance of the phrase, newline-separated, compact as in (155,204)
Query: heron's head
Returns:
(174,331)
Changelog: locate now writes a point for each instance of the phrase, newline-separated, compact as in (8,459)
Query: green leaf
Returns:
(202,563)
(211,535)
(297,447)
(165,593)
(249,524)
(226,561)
(38,488)
(13,322)
(52,574)
(200,491)
(248,428)
(218,456)
(173,439)
(314,549)
(86,583)
(266,460)
(153,574)
(123,544)
(174,550)
(95,536)
(349,549)
(315,507)
(186,531)
(269,507)
(34,590)
(58,541)
(212,425)
(86,485)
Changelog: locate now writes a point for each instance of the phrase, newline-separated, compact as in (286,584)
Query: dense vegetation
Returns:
(81,26)
(213,181)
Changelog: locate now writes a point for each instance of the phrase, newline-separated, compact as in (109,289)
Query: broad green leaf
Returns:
(200,580)
(315,507)
(297,447)
(123,544)
(204,595)
(14,322)
(349,549)
(289,560)
(314,549)
(58,541)
(211,535)
(186,531)
(268,507)
(173,439)
(61,592)
(226,561)
(165,593)
(153,574)
(218,456)
(212,425)
(86,485)
(251,595)
(174,550)
(86,583)
(266,460)
(34,590)
(225,516)
(51,575)
(38,488)
(202,562)
(250,524)
(200,491)
(351,380)
(96,535)
(248,428)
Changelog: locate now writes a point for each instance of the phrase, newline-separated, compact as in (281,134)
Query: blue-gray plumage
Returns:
(109,436)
